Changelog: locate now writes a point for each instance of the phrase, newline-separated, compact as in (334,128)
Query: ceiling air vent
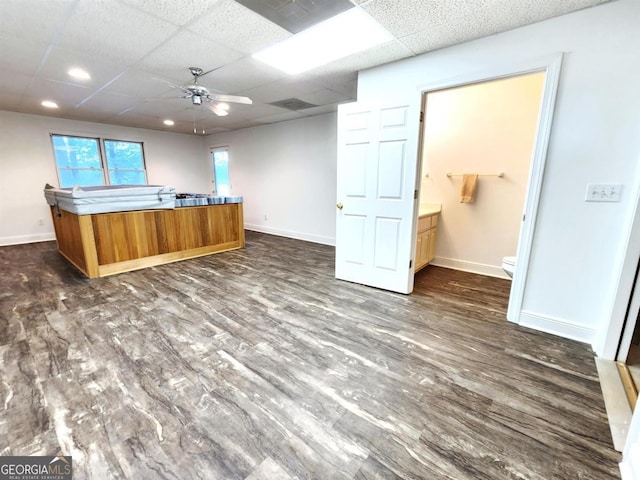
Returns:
(293,104)
(297,15)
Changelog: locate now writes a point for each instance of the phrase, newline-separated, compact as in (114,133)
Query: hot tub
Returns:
(115,229)
(111,198)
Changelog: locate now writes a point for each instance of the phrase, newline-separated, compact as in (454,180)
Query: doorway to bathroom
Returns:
(501,221)
(488,129)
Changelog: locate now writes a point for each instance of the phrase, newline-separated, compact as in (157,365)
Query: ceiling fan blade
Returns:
(221,112)
(170,84)
(209,71)
(219,97)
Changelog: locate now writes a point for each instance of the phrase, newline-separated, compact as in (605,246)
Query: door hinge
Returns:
(421,117)
(524,215)
(410,263)
(415,194)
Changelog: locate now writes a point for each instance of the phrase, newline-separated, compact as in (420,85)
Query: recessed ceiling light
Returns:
(79,73)
(49,104)
(169,122)
(345,34)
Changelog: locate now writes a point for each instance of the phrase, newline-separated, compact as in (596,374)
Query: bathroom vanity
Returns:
(427,235)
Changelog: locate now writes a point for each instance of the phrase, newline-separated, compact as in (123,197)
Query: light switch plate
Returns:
(603,192)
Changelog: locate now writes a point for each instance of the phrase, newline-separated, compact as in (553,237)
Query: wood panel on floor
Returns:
(258,364)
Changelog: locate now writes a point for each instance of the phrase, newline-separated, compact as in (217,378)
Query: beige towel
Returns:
(468,190)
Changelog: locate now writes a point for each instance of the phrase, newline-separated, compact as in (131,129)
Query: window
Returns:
(86,161)
(221,184)
(78,161)
(126,162)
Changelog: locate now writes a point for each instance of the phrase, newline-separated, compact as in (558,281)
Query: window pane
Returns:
(83,178)
(221,172)
(76,152)
(127,177)
(126,155)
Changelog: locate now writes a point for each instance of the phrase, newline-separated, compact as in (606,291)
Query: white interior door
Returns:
(376,185)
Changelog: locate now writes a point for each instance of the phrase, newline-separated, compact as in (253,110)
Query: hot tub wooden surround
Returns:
(108,243)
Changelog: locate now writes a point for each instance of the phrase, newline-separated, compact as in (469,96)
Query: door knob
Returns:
(340,206)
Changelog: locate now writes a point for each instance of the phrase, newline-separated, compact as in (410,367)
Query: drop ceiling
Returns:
(134,50)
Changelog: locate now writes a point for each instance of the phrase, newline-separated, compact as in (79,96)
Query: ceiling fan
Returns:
(200,95)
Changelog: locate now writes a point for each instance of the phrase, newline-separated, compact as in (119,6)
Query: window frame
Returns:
(102,152)
(55,157)
(107,170)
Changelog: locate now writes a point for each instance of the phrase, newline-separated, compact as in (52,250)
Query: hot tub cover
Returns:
(110,198)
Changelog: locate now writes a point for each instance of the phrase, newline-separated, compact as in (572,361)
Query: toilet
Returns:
(509,265)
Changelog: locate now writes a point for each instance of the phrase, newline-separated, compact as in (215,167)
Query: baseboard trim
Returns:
(471,267)
(557,326)
(291,234)
(22,239)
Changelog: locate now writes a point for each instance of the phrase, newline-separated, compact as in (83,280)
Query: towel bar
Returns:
(500,174)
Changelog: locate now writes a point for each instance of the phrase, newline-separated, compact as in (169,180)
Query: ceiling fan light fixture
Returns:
(345,34)
(49,104)
(196,99)
(79,73)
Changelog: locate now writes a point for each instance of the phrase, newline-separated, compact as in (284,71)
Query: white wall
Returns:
(579,247)
(286,173)
(27,164)
(483,128)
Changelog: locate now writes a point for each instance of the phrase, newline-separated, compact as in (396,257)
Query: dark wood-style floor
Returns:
(258,364)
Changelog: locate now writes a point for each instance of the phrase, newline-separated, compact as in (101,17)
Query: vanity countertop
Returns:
(427,209)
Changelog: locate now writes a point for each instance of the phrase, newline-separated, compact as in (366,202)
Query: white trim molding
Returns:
(291,234)
(557,326)
(22,239)
(471,267)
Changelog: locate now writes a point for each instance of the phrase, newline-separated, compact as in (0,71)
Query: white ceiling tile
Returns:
(388,52)
(23,57)
(404,17)
(14,84)
(321,109)
(9,101)
(244,124)
(176,12)
(43,17)
(324,96)
(142,84)
(186,49)
(114,31)
(211,131)
(440,37)
(60,61)
(65,95)
(281,117)
(254,111)
(287,87)
(106,102)
(161,108)
(238,27)
(134,48)
(242,75)
(496,16)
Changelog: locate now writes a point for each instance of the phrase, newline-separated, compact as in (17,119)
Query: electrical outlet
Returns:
(41,222)
(265,217)
(603,192)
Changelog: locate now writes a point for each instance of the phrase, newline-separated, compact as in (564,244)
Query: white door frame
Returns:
(551,65)
(612,332)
